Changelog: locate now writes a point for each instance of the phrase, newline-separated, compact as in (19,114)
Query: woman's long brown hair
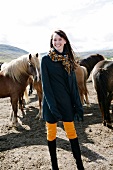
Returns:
(67,46)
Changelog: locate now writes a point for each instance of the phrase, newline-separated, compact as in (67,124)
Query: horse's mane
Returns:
(16,67)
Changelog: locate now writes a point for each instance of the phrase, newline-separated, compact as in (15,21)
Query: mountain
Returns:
(80,55)
(106,53)
(8,53)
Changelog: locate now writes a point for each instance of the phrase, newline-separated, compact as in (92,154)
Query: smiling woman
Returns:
(61,99)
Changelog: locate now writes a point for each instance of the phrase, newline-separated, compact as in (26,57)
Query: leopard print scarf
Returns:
(59,57)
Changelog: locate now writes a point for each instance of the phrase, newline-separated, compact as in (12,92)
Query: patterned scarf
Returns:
(60,57)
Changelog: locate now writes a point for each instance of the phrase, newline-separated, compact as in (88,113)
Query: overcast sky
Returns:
(28,24)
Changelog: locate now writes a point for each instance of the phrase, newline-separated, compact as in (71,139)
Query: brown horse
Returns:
(83,73)
(81,76)
(38,87)
(13,79)
(102,77)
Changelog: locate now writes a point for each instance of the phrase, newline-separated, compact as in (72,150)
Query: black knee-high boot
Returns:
(53,155)
(76,153)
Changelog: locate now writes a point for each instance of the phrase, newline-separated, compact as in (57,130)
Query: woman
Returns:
(61,99)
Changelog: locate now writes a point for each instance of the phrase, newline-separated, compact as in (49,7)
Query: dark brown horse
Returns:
(87,66)
(13,79)
(90,62)
(102,77)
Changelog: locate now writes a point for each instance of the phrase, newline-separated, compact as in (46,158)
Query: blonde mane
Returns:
(17,67)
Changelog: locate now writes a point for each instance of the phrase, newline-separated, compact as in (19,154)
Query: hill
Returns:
(8,53)
(80,55)
(106,53)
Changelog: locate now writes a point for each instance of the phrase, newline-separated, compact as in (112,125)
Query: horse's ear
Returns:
(30,56)
(37,55)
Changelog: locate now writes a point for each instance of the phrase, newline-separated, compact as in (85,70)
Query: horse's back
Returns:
(104,65)
(9,87)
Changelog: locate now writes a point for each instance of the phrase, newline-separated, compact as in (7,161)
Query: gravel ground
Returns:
(26,148)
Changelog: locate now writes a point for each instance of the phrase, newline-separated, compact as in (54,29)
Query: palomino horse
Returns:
(37,85)
(30,81)
(13,79)
(102,77)
(83,73)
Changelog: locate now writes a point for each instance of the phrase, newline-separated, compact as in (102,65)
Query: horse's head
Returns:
(100,57)
(37,60)
(32,68)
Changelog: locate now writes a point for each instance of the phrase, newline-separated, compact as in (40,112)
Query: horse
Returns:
(83,72)
(102,78)
(13,81)
(30,81)
(36,85)
(90,62)
(81,76)
(21,100)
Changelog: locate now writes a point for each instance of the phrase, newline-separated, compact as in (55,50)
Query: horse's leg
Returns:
(21,105)
(86,97)
(40,108)
(39,116)
(12,115)
(108,114)
(30,88)
(38,88)
(14,103)
(82,98)
(101,98)
(104,107)
(81,94)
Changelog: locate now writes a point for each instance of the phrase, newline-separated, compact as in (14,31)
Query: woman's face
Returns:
(58,42)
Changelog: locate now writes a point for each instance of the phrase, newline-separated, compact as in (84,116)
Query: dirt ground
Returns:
(26,148)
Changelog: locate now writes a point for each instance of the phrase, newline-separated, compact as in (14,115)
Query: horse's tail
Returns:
(101,84)
(26,96)
(102,93)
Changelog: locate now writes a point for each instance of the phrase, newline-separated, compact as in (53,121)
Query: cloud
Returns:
(29,24)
